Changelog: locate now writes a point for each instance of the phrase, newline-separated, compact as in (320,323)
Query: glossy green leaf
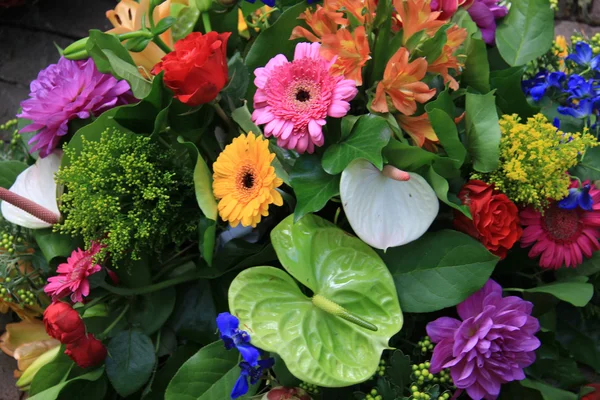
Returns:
(149,312)
(53,244)
(412,158)
(186,20)
(441,187)
(439,270)
(84,389)
(53,392)
(548,392)
(579,335)
(509,94)
(239,79)
(590,266)
(166,373)
(589,167)
(483,131)
(368,137)
(445,129)
(210,374)
(123,70)
(263,48)
(51,374)
(195,312)
(476,72)
(526,32)
(9,170)
(317,346)
(578,292)
(312,185)
(130,361)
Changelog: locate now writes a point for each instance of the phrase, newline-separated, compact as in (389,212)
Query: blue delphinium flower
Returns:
(578,197)
(583,109)
(580,88)
(254,373)
(583,55)
(270,3)
(233,336)
(539,88)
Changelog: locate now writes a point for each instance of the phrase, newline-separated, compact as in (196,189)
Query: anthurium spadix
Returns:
(34,190)
(336,336)
(386,208)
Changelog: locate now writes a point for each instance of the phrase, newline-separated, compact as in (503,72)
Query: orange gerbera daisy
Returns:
(323,21)
(415,16)
(455,37)
(244,181)
(127,17)
(402,82)
(352,52)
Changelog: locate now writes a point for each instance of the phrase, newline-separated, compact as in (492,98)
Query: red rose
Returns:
(495,218)
(196,70)
(63,323)
(87,351)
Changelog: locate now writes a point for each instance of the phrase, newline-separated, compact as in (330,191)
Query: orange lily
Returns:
(351,49)
(402,82)
(362,10)
(415,16)
(323,22)
(420,130)
(455,37)
(127,17)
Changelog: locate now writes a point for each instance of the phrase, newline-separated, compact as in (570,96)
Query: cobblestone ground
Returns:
(27,37)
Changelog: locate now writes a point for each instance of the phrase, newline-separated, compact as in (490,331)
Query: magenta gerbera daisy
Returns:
(72,278)
(65,91)
(294,98)
(562,236)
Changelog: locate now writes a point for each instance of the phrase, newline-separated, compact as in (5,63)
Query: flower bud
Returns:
(87,351)
(283,393)
(76,51)
(63,323)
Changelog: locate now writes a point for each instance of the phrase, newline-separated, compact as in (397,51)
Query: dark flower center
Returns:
(562,224)
(248,180)
(302,95)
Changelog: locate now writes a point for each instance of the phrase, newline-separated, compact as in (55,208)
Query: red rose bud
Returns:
(197,70)
(87,351)
(283,393)
(63,323)
(495,217)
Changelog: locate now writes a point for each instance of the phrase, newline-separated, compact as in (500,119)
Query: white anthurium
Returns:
(389,208)
(37,184)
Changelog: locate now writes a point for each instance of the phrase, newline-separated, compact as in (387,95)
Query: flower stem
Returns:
(93,302)
(150,288)
(163,46)
(335,309)
(206,22)
(513,290)
(115,322)
(29,206)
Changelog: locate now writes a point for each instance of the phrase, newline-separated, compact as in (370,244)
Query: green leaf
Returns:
(168,371)
(442,190)
(186,20)
(317,346)
(282,373)
(312,185)
(446,131)
(243,118)
(483,131)
(53,392)
(509,95)
(399,371)
(412,158)
(51,374)
(54,244)
(264,48)
(477,70)
(195,313)
(9,170)
(590,266)
(548,392)
(239,79)
(526,32)
(589,166)
(130,361)
(149,312)
(439,270)
(578,335)
(82,389)
(576,293)
(123,70)
(368,137)
(432,47)
(210,374)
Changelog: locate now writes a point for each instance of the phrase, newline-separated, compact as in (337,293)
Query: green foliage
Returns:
(439,270)
(9,170)
(509,94)
(54,244)
(483,132)
(126,192)
(51,374)
(576,291)
(54,392)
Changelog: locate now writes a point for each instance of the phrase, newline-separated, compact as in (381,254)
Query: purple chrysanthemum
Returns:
(485,13)
(490,346)
(65,91)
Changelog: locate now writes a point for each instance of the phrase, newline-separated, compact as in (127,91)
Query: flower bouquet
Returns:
(355,199)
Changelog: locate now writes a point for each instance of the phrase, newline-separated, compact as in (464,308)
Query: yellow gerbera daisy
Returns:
(244,181)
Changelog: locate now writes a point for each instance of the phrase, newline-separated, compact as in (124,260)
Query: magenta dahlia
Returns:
(564,234)
(490,346)
(66,91)
(294,98)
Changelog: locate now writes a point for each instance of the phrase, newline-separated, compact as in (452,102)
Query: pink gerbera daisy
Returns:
(72,278)
(294,98)
(562,236)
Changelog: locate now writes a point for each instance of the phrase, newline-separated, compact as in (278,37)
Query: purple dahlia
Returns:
(65,91)
(485,13)
(490,346)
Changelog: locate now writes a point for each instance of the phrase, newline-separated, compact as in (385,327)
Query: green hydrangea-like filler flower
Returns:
(126,193)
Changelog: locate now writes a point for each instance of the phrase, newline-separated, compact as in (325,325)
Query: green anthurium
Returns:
(334,338)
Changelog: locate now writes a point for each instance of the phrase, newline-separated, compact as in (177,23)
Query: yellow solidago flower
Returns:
(534,160)
(245,182)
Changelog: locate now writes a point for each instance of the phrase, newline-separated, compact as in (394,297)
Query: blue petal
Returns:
(227,324)
(556,78)
(556,122)
(270,3)
(586,202)
(241,387)
(537,92)
(249,353)
(571,201)
(595,62)
(571,111)
(266,363)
